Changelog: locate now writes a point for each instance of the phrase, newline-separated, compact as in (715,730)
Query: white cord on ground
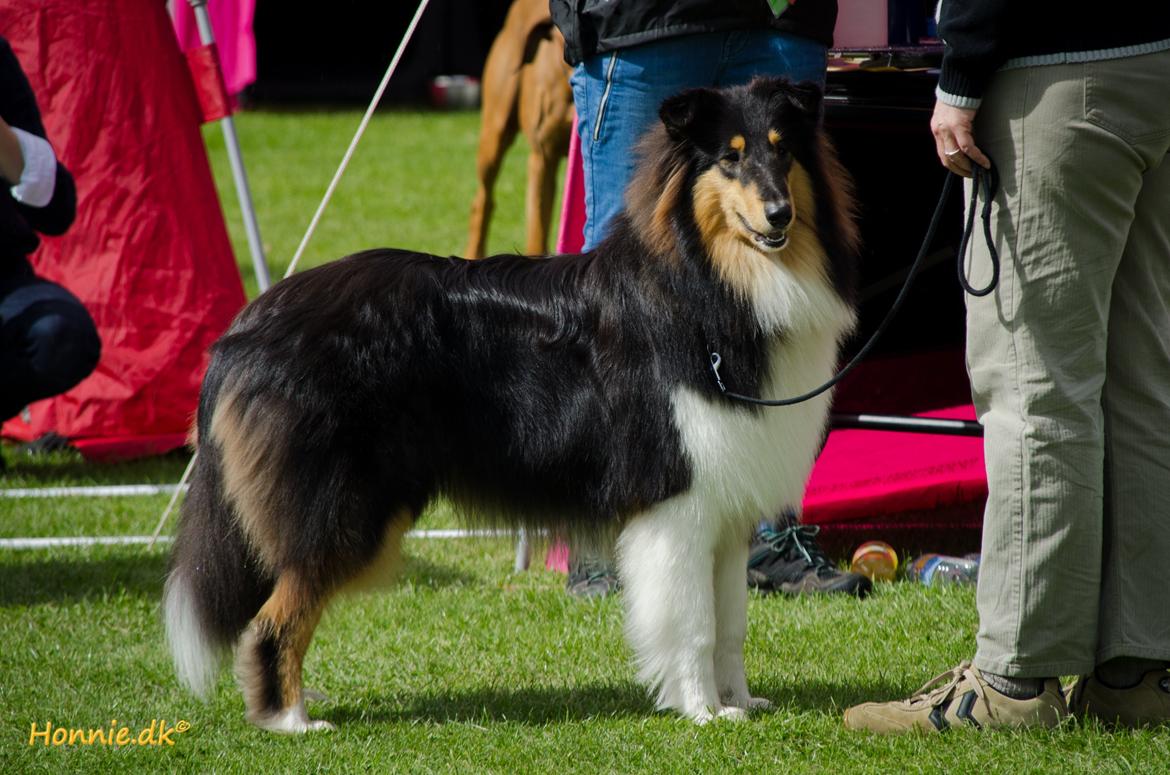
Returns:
(54,542)
(90,491)
(292,266)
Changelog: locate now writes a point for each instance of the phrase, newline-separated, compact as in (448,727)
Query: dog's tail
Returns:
(215,584)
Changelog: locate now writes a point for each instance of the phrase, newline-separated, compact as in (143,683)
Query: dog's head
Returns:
(747,146)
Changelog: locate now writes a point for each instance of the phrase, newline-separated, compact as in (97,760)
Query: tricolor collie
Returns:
(571,393)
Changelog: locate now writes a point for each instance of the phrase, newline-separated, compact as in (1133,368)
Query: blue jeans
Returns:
(48,341)
(617,96)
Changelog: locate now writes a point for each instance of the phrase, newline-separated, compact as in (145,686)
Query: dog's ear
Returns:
(691,115)
(783,95)
(806,96)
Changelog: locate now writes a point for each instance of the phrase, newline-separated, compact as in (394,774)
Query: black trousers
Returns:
(48,341)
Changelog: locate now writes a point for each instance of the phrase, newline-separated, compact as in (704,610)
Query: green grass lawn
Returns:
(464,666)
(409,185)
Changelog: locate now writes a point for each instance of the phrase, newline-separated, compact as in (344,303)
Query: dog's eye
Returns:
(731,157)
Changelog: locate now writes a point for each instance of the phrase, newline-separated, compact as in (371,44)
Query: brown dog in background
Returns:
(525,86)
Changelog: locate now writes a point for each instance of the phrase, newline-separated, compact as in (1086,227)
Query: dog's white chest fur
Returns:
(748,464)
(684,560)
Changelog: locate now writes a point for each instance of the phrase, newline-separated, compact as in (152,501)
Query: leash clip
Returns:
(715,362)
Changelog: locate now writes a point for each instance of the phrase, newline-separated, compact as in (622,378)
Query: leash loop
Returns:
(989,181)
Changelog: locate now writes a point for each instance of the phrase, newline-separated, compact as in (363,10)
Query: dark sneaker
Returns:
(959,698)
(1147,704)
(786,558)
(591,577)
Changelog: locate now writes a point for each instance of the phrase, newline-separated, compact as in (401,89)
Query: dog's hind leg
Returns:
(731,622)
(666,567)
(272,650)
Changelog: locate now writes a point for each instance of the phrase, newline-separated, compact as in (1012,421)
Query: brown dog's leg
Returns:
(494,140)
(498,126)
(542,175)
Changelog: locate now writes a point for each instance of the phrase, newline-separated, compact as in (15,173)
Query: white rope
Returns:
(356,138)
(181,487)
(292,266)
(81,541)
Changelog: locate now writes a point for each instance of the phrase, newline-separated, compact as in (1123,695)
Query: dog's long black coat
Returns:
(533,391)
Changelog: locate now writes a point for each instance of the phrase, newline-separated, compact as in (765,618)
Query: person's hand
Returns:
(954,139)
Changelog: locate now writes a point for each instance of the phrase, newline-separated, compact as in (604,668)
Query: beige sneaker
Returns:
(961,698)
(1146,704)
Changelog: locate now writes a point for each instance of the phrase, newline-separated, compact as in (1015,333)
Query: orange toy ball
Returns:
(875,559)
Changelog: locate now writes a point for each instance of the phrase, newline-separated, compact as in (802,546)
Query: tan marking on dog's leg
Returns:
(253,450)
(388,561)
(271,654)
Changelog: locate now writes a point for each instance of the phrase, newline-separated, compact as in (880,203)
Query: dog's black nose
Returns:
(778,213)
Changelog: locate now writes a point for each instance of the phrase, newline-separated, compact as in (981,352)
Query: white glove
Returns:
(39,177)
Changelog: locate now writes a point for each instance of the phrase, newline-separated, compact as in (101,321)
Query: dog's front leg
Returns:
(667,568)
(731,622)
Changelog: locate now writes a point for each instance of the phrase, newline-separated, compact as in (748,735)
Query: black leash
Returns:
(985,180)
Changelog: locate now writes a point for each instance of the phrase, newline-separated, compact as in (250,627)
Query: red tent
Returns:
(149,254)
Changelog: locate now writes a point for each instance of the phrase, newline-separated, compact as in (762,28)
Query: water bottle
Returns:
(943,569)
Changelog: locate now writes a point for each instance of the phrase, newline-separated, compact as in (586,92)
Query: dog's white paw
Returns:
(293,721)
(749,703)
(729,713)
(723,712)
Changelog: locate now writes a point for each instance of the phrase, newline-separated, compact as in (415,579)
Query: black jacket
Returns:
(596,26)
(20,223)
(981,35)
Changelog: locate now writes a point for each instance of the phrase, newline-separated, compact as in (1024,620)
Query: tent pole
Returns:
(235,158)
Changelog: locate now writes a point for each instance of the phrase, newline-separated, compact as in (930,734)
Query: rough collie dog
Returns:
(571,393)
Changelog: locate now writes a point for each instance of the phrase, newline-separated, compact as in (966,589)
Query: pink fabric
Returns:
(876,475)
(570,238)
(231,23)
(148,253)
(571,233)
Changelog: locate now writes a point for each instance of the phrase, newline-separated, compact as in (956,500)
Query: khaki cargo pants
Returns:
(1069,362)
